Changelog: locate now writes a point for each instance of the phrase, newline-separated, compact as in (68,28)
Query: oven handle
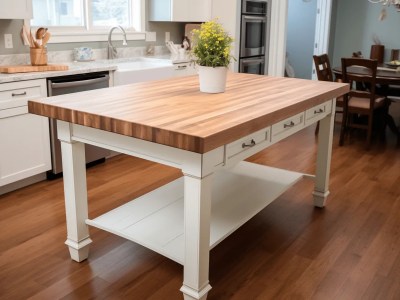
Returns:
(252,60)
(255,18)
(55,85)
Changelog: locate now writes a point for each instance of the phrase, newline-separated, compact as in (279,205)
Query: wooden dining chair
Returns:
(361,103)
(394,54)
(324,73)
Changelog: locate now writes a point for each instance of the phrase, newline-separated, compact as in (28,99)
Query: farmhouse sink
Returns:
(142,69)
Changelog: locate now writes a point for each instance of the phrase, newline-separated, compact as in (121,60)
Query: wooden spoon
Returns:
(40,32)
(24,38)
(46,38)
(27,36)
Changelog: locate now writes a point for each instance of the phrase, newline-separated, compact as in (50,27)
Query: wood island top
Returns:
(174,112)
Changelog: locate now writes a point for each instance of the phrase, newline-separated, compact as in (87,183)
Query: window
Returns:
(74,18)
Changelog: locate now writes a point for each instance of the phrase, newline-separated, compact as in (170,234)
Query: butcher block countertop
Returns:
(174,112)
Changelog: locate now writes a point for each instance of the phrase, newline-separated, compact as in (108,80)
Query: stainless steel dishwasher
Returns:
(67,85)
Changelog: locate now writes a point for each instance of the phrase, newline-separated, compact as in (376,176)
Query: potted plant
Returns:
(212,52)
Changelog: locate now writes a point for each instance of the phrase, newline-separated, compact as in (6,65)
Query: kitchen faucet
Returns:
(112,51)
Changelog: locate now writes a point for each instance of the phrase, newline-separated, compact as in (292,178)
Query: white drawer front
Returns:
(247,142)
(318,112)
(16,94)
(287,127)
(15,111)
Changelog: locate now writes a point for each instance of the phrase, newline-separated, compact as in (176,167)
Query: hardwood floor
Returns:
(290,250)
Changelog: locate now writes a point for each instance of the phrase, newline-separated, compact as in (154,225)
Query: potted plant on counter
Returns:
(212,51)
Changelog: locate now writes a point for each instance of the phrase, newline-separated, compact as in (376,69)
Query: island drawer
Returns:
(247,142)
(16,94)
(318,112)
(287,127)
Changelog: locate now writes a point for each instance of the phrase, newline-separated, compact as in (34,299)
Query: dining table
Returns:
(386,77)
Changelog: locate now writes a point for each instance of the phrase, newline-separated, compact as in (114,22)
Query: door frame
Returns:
(277,46)
(322,29)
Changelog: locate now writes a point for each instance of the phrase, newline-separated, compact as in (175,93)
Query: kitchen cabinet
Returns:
(19,9)
(184,69)
(180,10)
(24,138)
(230,20)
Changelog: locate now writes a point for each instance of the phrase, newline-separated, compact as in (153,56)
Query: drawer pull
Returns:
(182,67)
(291,124)
(318,111)
(18,94)
(252,144)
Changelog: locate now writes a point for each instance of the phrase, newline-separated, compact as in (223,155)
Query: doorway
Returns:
(300,37)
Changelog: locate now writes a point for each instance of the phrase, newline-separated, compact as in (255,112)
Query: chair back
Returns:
(394,54)
(323,67)
(360,71)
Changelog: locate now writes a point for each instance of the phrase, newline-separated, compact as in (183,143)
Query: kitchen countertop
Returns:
(86,67)
(174,113)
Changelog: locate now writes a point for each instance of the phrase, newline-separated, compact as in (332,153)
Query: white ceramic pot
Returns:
(212,80)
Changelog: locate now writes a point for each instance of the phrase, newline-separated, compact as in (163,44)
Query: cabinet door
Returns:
(24,138)
(200,10)
(25,146)
(184,69)
(18,9)
(180,10)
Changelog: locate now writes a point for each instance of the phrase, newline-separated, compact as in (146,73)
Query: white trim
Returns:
(322,28)
(277,44)
(60,34)
(71,37)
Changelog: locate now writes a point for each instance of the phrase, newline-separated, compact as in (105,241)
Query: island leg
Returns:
(75,193)
(197,211)
(325,136)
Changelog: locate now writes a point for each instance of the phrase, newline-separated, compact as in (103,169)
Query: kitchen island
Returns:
(207,136)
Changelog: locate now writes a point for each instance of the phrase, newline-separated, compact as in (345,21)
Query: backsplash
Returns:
(98,54)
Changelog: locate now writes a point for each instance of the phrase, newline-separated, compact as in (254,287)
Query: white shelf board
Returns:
(155,220)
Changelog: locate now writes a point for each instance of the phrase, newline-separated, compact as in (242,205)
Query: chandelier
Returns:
(383,14)
(396,3)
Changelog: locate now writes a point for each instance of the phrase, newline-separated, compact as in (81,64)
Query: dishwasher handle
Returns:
(67,84)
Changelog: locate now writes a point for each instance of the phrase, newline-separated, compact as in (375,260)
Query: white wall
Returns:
(300,36)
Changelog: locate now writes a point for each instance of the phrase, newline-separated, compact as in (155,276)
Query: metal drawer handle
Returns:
(182,67)
(18,94)
(318,111)
(252,144)
(291,124)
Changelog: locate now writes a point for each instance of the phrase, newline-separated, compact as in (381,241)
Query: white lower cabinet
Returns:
(184,69)
(25,140)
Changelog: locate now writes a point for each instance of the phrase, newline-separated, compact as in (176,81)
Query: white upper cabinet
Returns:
(16,9)
(180,10)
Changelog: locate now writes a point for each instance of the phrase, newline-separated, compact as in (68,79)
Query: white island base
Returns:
(156,220)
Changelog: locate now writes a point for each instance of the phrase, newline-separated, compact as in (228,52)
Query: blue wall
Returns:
(355,25)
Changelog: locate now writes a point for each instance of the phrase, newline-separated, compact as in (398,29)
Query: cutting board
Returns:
(29,68)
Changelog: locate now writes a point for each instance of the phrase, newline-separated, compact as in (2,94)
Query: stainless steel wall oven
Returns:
(254,7)
(254,36)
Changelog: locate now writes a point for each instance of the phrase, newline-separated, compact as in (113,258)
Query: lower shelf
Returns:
(155,220)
